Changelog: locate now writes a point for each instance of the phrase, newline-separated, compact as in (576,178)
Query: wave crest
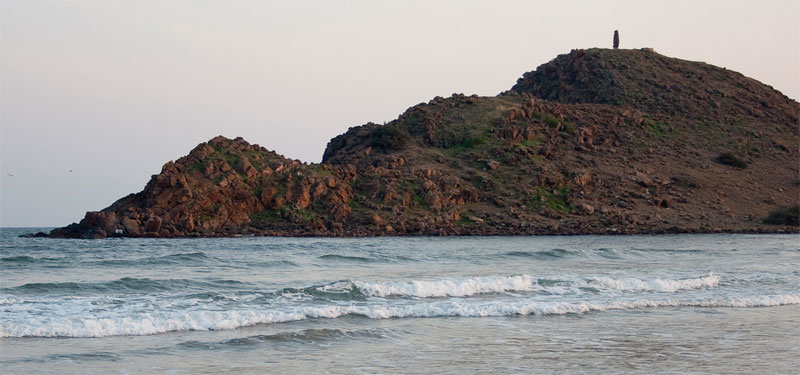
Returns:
(147,324)
(525,283)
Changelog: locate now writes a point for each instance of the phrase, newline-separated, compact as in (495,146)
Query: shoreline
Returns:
(444,233)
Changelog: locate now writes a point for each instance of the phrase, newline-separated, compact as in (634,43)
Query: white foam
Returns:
(448,287)
(10,300)
(91,325)
(654,285)
(481,285)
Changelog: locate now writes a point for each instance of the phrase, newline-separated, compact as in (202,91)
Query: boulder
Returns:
(131,226)
(153,224)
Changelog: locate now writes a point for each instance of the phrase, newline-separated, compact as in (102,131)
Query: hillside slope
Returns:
(595,141)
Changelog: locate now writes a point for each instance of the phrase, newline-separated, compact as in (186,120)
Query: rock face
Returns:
(595,141)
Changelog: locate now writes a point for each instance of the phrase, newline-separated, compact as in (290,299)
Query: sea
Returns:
(662,304)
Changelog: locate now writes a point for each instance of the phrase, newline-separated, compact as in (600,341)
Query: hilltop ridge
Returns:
(593,142)
(652,82)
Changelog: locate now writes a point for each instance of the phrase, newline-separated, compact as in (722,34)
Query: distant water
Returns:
(587,304)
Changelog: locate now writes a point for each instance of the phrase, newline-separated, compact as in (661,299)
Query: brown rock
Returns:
(330,182)
(340,212)
(434,199)
(267,194)
(153,225)
(341,194)
(583,179)
(377,220)
(103,220)
(318,190)
(475,219)
(642,179)
(277,203)
(132,227)
(188,225)
(302,195)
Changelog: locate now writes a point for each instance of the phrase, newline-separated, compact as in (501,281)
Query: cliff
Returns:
(594,141)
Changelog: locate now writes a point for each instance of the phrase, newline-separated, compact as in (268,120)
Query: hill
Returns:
(594,141)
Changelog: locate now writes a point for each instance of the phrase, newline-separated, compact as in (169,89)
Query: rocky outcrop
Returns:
(596,141)
(654,83)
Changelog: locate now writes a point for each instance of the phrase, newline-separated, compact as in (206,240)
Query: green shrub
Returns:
(467,143)
(470,142)
(550,121)
(389,138)
(784,216)
(727,158)
(232,159)
(267,217)
(556,200)
(568,128)
(200,166)
(531,143)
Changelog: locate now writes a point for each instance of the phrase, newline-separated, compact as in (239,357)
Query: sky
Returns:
(96,95)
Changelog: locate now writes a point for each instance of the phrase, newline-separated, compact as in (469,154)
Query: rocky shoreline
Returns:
(441,233)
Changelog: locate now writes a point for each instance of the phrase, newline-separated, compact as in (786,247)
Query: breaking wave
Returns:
(149,324)
(525,283)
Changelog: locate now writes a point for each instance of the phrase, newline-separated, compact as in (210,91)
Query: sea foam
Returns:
(167,321)
(654,285)
(464,287)
(447,287)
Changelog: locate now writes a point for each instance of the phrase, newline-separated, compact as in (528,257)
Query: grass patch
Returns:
(267,217)
(356,205)
(200,166)
(281,190)
(568,127)
(550,121)
(531,143)
(297,215)
(466,144)
(317,170)
(784,216)
(255,159)
(531,146)
(257,190)
(231,159)
(421,202)
(412,185)
(556,201)
(659,129)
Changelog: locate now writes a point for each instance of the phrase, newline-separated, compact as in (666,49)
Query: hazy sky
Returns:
(112,90)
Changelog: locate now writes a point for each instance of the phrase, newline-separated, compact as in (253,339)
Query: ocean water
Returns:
(585,304)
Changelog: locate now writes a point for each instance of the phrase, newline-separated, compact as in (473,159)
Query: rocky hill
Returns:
(594,141)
